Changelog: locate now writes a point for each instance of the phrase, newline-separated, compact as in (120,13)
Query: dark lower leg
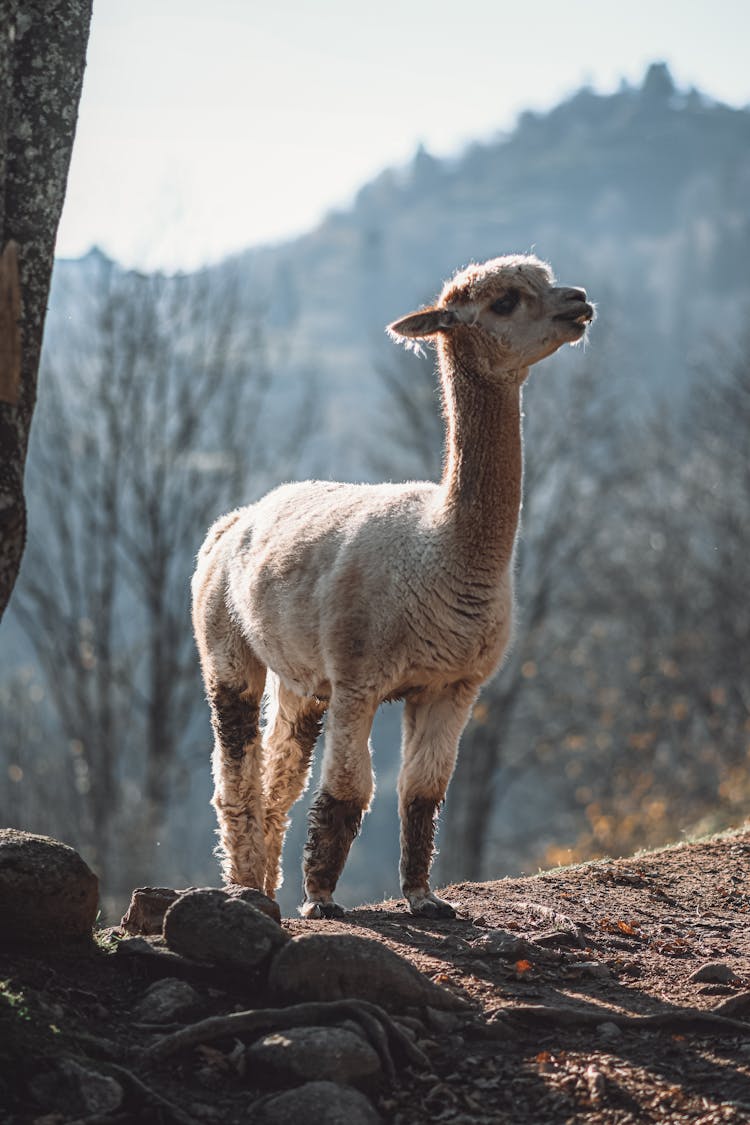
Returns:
(418,822)
(234,718)
(332,826)
(238,795)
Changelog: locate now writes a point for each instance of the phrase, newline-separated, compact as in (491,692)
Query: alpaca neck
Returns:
(482,479)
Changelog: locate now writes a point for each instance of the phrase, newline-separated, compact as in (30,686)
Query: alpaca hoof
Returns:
(329,909)
(430,906)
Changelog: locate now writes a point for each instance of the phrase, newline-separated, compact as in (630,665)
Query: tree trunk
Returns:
(42,59)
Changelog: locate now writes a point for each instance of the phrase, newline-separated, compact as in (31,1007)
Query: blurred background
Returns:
(254,194)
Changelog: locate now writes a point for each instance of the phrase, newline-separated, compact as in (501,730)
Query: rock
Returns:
(99,1093)
(344,967)
(608,1030)
(257,899)
(148,905)
(153,958)
(208,925)
(502,943)
(442,1022)
(303,1054)
(75,1090)
(165,1001)
(151,950)
(554,939)
(596,969)
(47,892)
(321,1103)
(715,972)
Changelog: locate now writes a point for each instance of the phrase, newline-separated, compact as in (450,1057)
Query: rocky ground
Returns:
(607,992)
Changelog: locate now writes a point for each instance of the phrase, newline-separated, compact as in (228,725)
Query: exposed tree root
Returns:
(383,1033)
(737,1006)
(683,1019)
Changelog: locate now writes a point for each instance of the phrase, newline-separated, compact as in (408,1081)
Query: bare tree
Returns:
(635,720)
(42,58)
(151,425)
(411,417)
(670,602)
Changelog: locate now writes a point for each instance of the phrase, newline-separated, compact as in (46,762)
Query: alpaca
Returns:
(336,597)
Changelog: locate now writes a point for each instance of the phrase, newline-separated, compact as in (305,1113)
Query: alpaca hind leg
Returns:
(345,792)
(236,764)
(292,731)
(431,731)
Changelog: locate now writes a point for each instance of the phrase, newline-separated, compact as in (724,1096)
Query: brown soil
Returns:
(556,1031)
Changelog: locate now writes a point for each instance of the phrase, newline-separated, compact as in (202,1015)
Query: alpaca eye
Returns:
(503,306)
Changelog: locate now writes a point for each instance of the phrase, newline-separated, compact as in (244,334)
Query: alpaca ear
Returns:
(424,323)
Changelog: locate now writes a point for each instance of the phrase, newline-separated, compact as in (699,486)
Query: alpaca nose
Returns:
(573,294)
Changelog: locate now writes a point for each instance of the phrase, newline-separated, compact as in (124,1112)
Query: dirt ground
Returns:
(586,1009)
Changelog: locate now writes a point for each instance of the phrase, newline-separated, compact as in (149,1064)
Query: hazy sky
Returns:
(208,127)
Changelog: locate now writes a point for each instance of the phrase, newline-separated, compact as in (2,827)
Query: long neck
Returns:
(482,479)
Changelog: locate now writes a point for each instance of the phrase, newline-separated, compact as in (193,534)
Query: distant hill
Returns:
(641,196)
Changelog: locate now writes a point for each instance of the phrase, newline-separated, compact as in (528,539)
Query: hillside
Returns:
(612,992)
(640,195)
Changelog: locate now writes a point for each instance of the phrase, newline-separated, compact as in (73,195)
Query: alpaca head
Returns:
(498,318)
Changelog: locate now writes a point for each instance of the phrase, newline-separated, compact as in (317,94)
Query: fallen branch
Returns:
(377,1025)
(171,1111)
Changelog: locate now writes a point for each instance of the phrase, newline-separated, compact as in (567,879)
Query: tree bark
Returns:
(42,59)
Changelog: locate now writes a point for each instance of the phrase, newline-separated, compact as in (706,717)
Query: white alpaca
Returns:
(349,595)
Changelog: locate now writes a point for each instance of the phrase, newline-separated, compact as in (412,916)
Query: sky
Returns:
(207,128)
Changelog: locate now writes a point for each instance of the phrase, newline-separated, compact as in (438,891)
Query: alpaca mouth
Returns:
(581,315)
(576,321)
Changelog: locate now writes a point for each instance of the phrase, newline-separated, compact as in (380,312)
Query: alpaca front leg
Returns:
(431,731)
(344,796)
(238,791)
